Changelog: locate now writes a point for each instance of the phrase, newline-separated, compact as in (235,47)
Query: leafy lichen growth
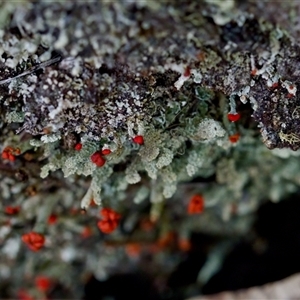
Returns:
(80,78)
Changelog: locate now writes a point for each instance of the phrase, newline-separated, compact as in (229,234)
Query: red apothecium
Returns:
(34,240)
(233,117)
(196,205)
(110,220)
(138,139)
(98,159)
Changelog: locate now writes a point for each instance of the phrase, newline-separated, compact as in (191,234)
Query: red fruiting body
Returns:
(139,139)
(12,210)
(52,219)
(86,232)
(23,295)
(35,241)
(11,157)
(133,249)
(187,72)
(9,153)
(78,147)
(233,117)
(106,152)
(4,155)
(110,220)
(234,138)
(109,214)
(253,72)
(196,205)
(184,244)
(97,159)
(42,283)
(107,226)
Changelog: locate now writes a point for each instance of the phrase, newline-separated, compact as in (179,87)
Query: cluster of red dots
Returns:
(9,153)
(98,157)
(34,240)
(110,220)
(234,118)
(12,210)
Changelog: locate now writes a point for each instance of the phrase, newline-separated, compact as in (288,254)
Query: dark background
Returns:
(269,254)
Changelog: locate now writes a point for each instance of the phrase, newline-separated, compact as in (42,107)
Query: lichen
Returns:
(100,74)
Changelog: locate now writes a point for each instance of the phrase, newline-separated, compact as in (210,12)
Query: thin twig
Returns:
(33,69)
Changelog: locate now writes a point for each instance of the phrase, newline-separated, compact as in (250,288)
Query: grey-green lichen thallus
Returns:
(138,107)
